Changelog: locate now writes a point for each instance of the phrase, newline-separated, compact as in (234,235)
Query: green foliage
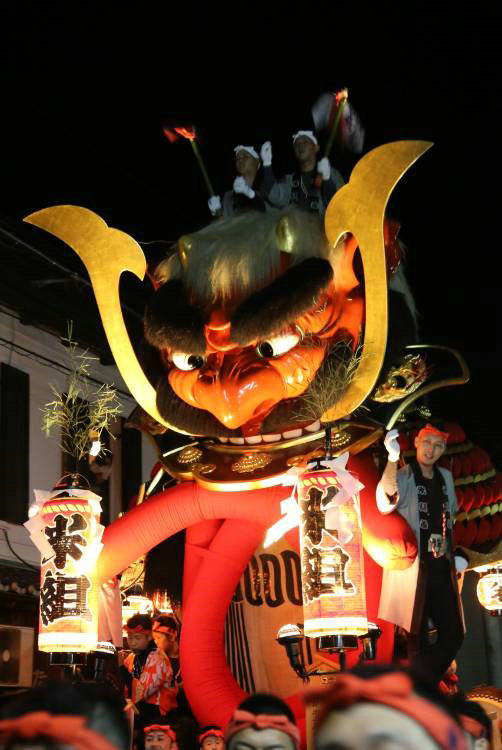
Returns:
(83,410)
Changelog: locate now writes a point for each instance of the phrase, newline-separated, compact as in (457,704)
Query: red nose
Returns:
(237,387)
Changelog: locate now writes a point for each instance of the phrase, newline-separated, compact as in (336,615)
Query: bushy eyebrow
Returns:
(281,302)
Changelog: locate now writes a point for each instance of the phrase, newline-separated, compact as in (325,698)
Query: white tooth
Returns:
(271,438)
(223,440)
(292,433)
(314,427)
(237,441)
(253,439)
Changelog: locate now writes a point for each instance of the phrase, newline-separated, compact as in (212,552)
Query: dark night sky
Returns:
(85,96)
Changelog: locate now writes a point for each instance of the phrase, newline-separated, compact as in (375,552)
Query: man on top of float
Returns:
(243,197)
(424,495)
(303,188)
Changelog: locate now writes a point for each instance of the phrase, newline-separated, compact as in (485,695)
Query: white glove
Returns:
(324,168)
(461,562)
(241,186)
(214,204)
(392,444)
(266,154)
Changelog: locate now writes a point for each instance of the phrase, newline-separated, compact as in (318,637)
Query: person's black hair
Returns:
(265,703)
(144,621)
(101,707)
(167,621)
(208,727)
(474,710)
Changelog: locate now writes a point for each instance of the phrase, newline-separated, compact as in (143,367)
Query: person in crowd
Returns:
(210,737)
(165,635)
(160,737)
(382,707)
(244,195)
(311,186)
(59,716)
(475,721)
(146,672)
(424,494)
(262,722)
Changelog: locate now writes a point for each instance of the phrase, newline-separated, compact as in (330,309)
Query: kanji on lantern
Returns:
(67,531)
(334,597)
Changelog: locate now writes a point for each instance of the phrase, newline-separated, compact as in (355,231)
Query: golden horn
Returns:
(359,208)
(284,235)
(185,244)
(106,253)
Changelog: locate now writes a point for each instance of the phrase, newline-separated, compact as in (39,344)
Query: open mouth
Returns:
(273,437)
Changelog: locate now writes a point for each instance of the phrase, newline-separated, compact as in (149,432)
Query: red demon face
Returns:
(245,372)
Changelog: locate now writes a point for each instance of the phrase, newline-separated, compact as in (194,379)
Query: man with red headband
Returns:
(382,707)
(160,737)
(424,495)
(146,672)
(210,737)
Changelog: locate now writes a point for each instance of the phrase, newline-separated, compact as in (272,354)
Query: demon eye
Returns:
(187,361)
(277,345)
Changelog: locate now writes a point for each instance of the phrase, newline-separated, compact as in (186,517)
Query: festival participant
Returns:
(424,495)
(242,197)
(301,188)
(146,672)
(262,722)
(210,737)
(60,715)
(475,721)
(160,737)
(165,635)
(383,707)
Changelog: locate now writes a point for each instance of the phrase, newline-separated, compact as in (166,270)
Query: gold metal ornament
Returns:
(402,380)
(359,208)
(284,235)
(250,462)
(106,252)
(460,379)
(190,455)
(185,244)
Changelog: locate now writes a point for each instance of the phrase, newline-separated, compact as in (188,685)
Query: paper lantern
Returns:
(334,598)
(67,532)
(490,589)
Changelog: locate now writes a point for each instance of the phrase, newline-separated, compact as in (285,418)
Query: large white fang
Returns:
(314,427)
(271,438)
(237,441)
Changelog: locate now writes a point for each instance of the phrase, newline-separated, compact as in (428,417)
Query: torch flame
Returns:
(188,132)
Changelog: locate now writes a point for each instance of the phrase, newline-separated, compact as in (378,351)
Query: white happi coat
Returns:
(397,598)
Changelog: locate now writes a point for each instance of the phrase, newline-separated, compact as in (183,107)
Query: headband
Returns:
(69,730)
(249,149)
(138,629)
(166,629)
(472,727)
(244,719)
(209,733)
(161,728)
(431,430)
(307,134)
(395,691)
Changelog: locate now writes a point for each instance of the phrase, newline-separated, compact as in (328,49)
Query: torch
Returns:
(188,132)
